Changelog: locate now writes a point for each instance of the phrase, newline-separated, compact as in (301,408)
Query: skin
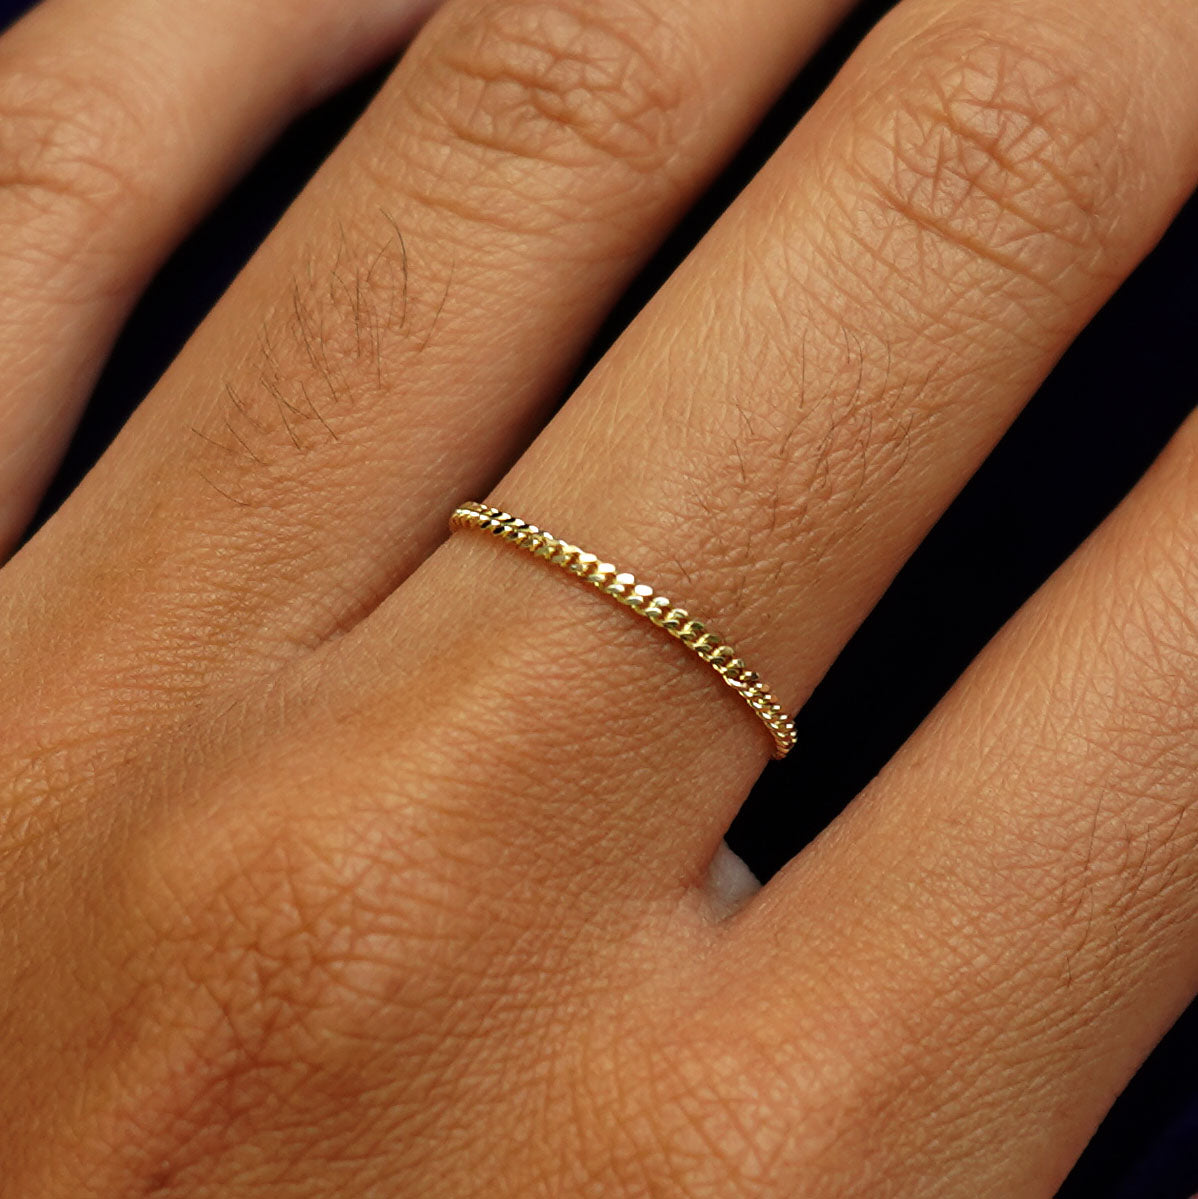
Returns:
(341,858)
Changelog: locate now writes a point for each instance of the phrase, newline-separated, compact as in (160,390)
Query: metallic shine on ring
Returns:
(641,598)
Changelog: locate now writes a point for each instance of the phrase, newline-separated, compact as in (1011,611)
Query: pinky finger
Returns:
(120,122)
(1014,899)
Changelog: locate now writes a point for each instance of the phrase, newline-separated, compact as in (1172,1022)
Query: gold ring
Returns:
(641,598)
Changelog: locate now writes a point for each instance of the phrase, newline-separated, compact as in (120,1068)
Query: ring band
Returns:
(641,598)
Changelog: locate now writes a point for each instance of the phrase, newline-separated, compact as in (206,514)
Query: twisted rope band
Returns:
(640,597)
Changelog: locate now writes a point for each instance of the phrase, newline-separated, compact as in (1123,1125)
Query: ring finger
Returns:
(773,436)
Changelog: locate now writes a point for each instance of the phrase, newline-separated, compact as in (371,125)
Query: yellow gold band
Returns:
(622,587)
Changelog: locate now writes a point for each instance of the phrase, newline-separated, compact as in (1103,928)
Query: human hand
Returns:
(338,860)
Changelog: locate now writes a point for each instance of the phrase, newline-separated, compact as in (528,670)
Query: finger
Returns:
(773,436)
(1022,875)
(119,123)
(407,326)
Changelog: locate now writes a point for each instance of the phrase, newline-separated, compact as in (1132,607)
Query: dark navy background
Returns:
(1085,438)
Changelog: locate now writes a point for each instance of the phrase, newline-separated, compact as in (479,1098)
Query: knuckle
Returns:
(739,1119)
(267,951)
(994,150)
(306,966)
(706,1109)
(563,81)
(295,911)
(736,1095)
(64,146)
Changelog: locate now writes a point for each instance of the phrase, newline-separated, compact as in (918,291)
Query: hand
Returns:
(341,858)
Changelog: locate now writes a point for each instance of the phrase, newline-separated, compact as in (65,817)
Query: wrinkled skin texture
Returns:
(339,858)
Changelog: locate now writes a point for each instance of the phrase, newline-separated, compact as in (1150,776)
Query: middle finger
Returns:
(440,276)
